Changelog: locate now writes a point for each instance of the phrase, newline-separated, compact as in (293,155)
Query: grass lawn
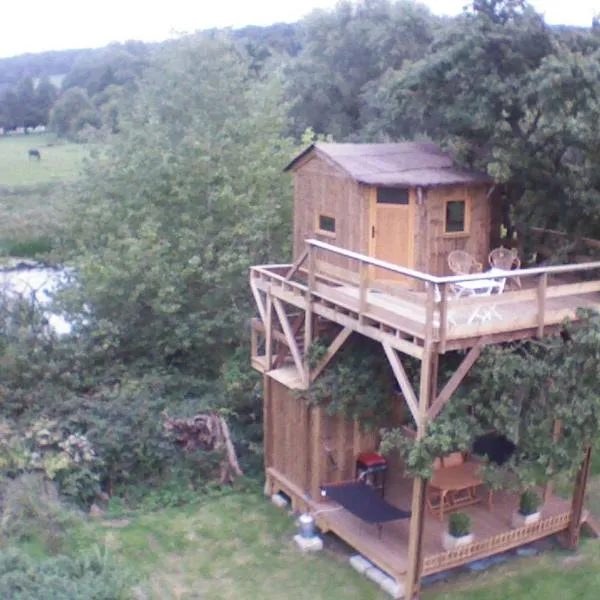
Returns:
(240,547)
(233,548)
(60,161)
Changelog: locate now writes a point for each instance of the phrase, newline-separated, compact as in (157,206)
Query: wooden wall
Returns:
(320,187)
(432,246)
(306,445)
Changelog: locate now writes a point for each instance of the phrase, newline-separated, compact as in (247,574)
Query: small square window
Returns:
(392,195)
(326,224)
(455,216)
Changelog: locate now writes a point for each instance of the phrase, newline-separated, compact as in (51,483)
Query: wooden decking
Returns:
(492,529)
(405,318)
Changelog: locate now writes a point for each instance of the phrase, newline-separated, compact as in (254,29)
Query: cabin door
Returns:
(392,232)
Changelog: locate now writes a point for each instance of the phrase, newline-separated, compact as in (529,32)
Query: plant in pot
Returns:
(529,509)
(459,531)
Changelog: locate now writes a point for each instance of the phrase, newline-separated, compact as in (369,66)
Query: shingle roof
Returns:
(404,164)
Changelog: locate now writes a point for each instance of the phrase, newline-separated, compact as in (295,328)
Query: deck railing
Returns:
(362,274)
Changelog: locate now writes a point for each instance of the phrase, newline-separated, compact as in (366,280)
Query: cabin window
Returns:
(326,225)
(392,195)
(456,216)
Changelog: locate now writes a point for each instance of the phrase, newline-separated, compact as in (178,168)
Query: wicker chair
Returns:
(462,263)
(506,259)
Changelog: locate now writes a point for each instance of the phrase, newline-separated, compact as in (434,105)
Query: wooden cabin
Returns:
(390,201)
(365,215)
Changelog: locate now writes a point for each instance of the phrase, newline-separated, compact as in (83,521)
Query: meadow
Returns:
(60,161)
(33,194)
(240,547)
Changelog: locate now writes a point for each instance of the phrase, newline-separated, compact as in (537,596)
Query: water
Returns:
(38,283)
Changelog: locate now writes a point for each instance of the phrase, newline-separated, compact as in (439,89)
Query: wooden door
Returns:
(392,232)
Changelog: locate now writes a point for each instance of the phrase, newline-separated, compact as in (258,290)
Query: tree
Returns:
(45,97)
(67,109)
(178,207)
(344,53)
(502,91)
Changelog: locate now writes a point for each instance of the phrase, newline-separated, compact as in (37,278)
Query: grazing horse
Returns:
(33,153)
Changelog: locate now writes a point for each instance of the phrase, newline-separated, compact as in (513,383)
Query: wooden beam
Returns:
(298,321)
(456,379)
(316,450)
(337,343)
(403,381)
(289,334)
(269,333)
(578,499)
(415,539)
(363,291)
(309,314)
(262,310)
(541,303)
(297,264)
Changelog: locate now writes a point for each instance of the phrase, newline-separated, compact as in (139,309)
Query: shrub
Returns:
(459,524)
(529,503)
(32,511)
(93,577)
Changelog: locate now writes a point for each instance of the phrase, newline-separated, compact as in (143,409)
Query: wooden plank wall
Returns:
(308,446)
(432,246)
(320,187)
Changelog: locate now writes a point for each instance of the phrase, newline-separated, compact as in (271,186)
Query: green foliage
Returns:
(91,577)
(508,95)
(459,524)
(453,431)
(529,503)
(334,81)
(33,513)
(358,383)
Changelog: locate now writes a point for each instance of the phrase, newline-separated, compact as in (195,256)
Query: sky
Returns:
(39,25)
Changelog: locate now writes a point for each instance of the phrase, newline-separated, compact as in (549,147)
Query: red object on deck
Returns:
(372,467)
(371,459)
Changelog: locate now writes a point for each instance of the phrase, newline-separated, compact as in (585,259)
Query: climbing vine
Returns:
(359,382)
(520,391)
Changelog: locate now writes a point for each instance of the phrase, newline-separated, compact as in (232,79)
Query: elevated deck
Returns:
(406,308)
(492,529)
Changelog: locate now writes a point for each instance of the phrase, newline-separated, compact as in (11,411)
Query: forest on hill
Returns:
(185,191)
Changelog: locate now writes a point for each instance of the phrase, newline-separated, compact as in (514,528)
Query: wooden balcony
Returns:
(492,528)
(407,309)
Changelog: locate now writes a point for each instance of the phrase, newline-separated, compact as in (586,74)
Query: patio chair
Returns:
(462,263)
(506,259)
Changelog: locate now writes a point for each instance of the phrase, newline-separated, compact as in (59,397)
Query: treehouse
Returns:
(377,228)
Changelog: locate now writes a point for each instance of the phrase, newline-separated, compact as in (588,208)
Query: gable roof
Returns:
(403,164)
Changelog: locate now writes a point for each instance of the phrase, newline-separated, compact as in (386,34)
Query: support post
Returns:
(363,290)
(417,521)
(269,333)
(541,308)
(577,503)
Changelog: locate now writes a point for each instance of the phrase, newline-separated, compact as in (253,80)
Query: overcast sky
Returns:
(37,25)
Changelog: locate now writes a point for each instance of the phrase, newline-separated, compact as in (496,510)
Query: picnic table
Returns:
(451,488)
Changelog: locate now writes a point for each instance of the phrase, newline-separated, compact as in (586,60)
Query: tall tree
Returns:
(179,205)
(45,97)
(502,90)
(344,52)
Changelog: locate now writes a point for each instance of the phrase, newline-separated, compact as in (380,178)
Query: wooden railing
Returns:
(424,306)
(438,288)
(495,544)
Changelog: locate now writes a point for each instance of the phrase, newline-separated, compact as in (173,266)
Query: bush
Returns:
(32,511)
(94,577)
(459,524)
(529,503)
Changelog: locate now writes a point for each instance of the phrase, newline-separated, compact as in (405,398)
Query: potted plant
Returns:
(459,531)
(529,509)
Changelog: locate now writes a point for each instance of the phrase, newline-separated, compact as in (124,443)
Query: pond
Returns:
(35,281)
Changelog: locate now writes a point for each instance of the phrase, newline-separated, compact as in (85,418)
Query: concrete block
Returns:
(375,574)
(313,544)
(279,501)
(360,563)
(392,587)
